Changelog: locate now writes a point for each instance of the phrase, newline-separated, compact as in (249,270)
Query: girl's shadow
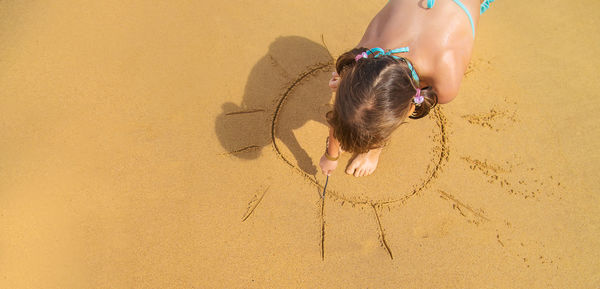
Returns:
(245,129)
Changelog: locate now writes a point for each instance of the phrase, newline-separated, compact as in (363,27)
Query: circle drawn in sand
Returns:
(375,190)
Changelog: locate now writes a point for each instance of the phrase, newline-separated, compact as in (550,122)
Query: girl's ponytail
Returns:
(429,102)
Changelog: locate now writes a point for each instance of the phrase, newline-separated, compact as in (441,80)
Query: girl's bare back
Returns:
(440,39)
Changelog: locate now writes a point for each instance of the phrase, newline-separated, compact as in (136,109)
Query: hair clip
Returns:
(362,55)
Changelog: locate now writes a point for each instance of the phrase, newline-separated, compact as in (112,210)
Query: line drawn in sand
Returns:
(530,252)
(382,233)
(253,203)
(473,216)
(242,150)
(495,119)
(510,178)
(245,111)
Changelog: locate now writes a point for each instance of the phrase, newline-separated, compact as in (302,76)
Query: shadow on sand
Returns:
(243,130)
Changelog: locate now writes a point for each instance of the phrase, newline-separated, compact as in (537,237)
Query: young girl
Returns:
(410,58)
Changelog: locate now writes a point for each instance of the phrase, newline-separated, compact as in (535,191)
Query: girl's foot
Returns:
(364,164)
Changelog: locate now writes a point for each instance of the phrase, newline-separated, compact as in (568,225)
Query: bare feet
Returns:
(364,164)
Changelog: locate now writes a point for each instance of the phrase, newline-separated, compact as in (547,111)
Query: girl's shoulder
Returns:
(448,74)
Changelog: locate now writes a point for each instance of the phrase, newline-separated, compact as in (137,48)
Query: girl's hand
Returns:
(327,166)
(334,81)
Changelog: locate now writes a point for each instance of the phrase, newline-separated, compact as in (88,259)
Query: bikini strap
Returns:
(430,3)
(377,51)
(485,6)
(414,72)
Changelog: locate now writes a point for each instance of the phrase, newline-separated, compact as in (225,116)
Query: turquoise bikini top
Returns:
(485,5)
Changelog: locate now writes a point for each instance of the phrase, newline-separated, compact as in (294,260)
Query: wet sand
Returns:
(172,145)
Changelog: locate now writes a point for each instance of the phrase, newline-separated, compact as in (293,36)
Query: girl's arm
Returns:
(334,145)
(333,150)
(328,161)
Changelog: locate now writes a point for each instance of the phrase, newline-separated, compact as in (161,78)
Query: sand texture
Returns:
(175,144)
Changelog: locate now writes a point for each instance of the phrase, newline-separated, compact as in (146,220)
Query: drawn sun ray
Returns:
(245,111)
(254,203)
(495,119)
(382,233)
(242,150)
(477,216)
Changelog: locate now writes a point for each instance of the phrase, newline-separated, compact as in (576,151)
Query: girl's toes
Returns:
(350,170)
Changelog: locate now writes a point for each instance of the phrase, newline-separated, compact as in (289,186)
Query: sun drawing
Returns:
(378,193)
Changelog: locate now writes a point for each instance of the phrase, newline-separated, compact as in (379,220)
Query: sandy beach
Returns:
(175,144)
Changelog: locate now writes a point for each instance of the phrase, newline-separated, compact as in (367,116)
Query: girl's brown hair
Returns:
(374,96)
